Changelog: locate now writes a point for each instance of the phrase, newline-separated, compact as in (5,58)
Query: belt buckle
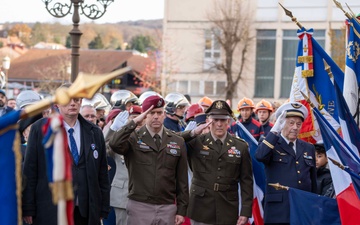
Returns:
(216,187)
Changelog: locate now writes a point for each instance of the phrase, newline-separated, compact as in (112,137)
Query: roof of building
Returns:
(37,64)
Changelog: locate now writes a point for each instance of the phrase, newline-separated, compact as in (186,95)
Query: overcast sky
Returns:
(119,10)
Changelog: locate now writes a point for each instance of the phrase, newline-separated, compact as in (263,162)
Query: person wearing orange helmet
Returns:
(205,102)
(263,111)
(246,107)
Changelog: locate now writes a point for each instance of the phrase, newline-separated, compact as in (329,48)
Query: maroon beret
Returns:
(112,114)
(156,101)
(135,109)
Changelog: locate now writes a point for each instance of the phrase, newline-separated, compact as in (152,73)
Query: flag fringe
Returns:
(18,160)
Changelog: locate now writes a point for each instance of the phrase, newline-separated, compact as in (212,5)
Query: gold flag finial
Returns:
(352,13)
(289,14)
(278,186)
(336,163)
(85,86)
(338,4)
(328,69)
(307,99)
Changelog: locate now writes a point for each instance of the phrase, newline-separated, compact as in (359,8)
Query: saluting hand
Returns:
(198,130)
(280,123)
(142,116)
(120,120)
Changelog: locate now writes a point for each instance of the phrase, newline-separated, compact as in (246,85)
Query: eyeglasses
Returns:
(89,116)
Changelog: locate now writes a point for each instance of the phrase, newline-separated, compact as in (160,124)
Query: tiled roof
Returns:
(37,62)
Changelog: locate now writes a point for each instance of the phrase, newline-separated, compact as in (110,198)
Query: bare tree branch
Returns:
(231,20)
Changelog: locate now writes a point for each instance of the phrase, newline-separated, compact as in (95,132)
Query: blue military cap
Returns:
(293,109)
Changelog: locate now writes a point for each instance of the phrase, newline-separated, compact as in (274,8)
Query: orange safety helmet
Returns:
(263,105)
(205,101)
(245,103)
(193,110)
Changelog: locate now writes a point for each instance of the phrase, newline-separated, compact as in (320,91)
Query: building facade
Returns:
(189,46)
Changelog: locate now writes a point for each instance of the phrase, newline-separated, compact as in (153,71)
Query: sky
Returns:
(120,10)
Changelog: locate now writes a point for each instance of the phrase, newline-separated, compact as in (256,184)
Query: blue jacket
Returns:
(171,124)
(284,167)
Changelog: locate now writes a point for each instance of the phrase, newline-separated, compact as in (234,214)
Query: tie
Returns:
(291,145)
(73,147)
(219,143)
(157,140)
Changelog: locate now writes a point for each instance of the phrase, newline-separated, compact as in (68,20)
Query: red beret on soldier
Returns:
(156,101)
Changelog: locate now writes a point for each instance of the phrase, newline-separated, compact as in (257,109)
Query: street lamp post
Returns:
(91,11)
(6,67)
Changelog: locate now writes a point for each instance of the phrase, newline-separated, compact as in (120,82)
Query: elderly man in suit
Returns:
(157,164)
(288,161)
(89,170)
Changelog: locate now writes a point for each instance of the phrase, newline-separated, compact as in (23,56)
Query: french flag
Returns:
(346,188)
(352,69)
(311,78)
(349,129)
(259,175)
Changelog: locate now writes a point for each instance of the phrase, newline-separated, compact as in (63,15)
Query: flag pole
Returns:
(278,186)
(338,4)
(289,14)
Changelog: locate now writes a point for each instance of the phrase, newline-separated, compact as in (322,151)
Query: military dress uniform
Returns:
(217,170)
(287,167)
(218,167)
(156,175)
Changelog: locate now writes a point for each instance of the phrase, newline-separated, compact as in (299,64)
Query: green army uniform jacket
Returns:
(217,171)
(156,176)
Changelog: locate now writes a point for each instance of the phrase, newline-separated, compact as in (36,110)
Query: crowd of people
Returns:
(165,160)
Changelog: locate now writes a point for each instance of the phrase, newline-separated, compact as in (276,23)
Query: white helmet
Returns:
(27,97)
(98,101)
(174,100)
(122,97)
(146,94)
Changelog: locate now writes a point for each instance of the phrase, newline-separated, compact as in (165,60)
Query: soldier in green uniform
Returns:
(157,163)
(219,163)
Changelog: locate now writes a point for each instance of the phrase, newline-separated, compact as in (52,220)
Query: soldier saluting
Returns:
(219,163)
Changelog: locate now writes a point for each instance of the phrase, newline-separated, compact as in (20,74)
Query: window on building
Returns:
(265,63)
(183,87)
(212,50)
(209,88)
(289,53)
(194,88)
(220,88)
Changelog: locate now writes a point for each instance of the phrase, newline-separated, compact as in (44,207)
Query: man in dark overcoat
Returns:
(89,170)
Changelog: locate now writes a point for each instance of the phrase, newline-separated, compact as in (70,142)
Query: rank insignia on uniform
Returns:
(173,145)
(210,143)
(234,152)
(173,151)
(219,105)
(307,156)
(205,147)
(280,153)
(227,144)
(230,140)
